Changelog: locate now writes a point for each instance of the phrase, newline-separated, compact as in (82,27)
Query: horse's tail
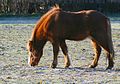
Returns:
(110,43)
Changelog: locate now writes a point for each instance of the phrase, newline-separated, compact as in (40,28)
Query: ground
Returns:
(15,70)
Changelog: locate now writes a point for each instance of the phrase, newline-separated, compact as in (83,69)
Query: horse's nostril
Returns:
(34,64)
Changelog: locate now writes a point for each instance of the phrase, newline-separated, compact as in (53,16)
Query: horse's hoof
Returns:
(53,66)
(109,67)
(67,65)
(92,66)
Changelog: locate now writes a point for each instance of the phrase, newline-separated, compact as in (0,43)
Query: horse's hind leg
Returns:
(102,40)
(97,50)
(65,52)
(110,60)
(109,55)
(55,52)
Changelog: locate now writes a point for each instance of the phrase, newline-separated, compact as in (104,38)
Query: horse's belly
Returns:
(77,37)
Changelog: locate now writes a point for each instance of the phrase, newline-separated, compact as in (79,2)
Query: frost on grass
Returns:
(14,68)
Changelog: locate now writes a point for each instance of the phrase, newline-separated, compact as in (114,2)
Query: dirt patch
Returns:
(14,67)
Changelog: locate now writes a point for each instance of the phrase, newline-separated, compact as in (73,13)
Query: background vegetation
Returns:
(25,7)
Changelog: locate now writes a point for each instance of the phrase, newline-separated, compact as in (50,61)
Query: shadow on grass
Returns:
(78,69)
(89,69)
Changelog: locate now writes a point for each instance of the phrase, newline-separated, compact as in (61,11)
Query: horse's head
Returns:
(40,36)
(35,53)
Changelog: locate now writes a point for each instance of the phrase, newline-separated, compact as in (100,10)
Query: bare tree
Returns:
(15,7)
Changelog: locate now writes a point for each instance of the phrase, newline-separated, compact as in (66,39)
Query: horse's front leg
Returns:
(65,52)
(97,50)
(55,52)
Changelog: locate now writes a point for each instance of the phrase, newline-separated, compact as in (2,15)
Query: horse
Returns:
(58,25)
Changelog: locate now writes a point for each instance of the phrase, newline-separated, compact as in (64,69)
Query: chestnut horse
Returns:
(57,26)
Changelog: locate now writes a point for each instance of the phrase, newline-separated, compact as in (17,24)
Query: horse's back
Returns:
(76,25)
(70,24)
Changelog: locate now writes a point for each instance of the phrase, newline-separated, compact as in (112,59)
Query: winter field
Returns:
(15,70)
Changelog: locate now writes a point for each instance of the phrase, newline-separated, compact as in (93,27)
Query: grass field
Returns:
(15,70)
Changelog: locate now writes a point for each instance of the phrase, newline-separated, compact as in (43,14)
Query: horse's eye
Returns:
(30,49)
(30,45)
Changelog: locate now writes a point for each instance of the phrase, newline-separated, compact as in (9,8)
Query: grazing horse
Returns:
(57,26)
